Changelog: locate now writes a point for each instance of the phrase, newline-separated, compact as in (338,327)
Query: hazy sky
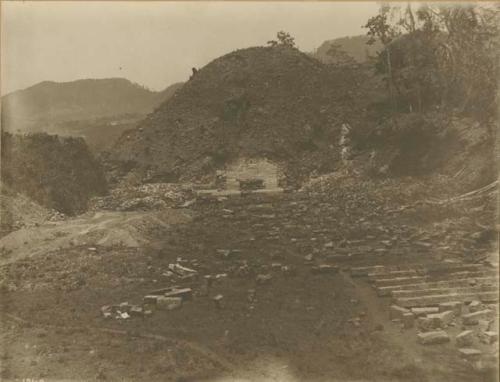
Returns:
(154,43)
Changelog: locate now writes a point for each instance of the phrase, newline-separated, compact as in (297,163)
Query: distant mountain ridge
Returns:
(48,103)
(354,46)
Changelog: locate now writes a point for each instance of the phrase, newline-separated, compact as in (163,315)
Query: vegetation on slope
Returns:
(58,173)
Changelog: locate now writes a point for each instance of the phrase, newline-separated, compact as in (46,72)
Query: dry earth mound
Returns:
(272,102)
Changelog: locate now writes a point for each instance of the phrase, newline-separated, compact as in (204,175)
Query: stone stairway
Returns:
(432,284)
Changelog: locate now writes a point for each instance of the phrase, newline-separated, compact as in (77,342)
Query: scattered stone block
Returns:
(466,338)
(184,293)
(136,311)
(473,318)
(470,354)
(396,312)
(441,320)
(425,324)
(488,337)
(454,306)
(218,301)
(162,291)
(433,338)
(168,303)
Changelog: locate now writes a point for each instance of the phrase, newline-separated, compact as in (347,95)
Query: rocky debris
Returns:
(145,197)
(181,271)
(121,311)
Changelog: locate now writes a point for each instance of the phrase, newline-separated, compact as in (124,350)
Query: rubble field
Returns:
(303,286)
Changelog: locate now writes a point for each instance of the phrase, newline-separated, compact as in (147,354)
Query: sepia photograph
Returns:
(249,191)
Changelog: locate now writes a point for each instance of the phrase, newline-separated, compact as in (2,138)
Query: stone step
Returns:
(434,300)
(393,274)
(387,290)
(442,291)
(428,278)
(400,281)
(432,267)
(453,273)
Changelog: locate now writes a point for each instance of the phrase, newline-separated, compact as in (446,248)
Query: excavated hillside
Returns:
(58,173)
(272,102)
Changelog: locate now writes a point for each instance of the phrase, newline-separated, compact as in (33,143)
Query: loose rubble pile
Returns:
(150,196)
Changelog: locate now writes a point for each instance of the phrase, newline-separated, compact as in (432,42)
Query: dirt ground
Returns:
(296,325)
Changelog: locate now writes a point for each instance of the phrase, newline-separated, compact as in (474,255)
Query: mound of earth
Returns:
(58,173)
(267,102)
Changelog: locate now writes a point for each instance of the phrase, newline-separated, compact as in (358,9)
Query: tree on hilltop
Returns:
(283,39)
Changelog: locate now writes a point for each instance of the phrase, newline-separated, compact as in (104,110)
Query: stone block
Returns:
(218,301)
(136,311)
(473,318)
(441,320)
(466,338)
(488,337)
(470,354)
(425,324)
(433,338)
(184,293)
(475,306)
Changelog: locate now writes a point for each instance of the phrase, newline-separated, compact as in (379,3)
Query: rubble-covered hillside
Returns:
(58,173)
(272,102)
